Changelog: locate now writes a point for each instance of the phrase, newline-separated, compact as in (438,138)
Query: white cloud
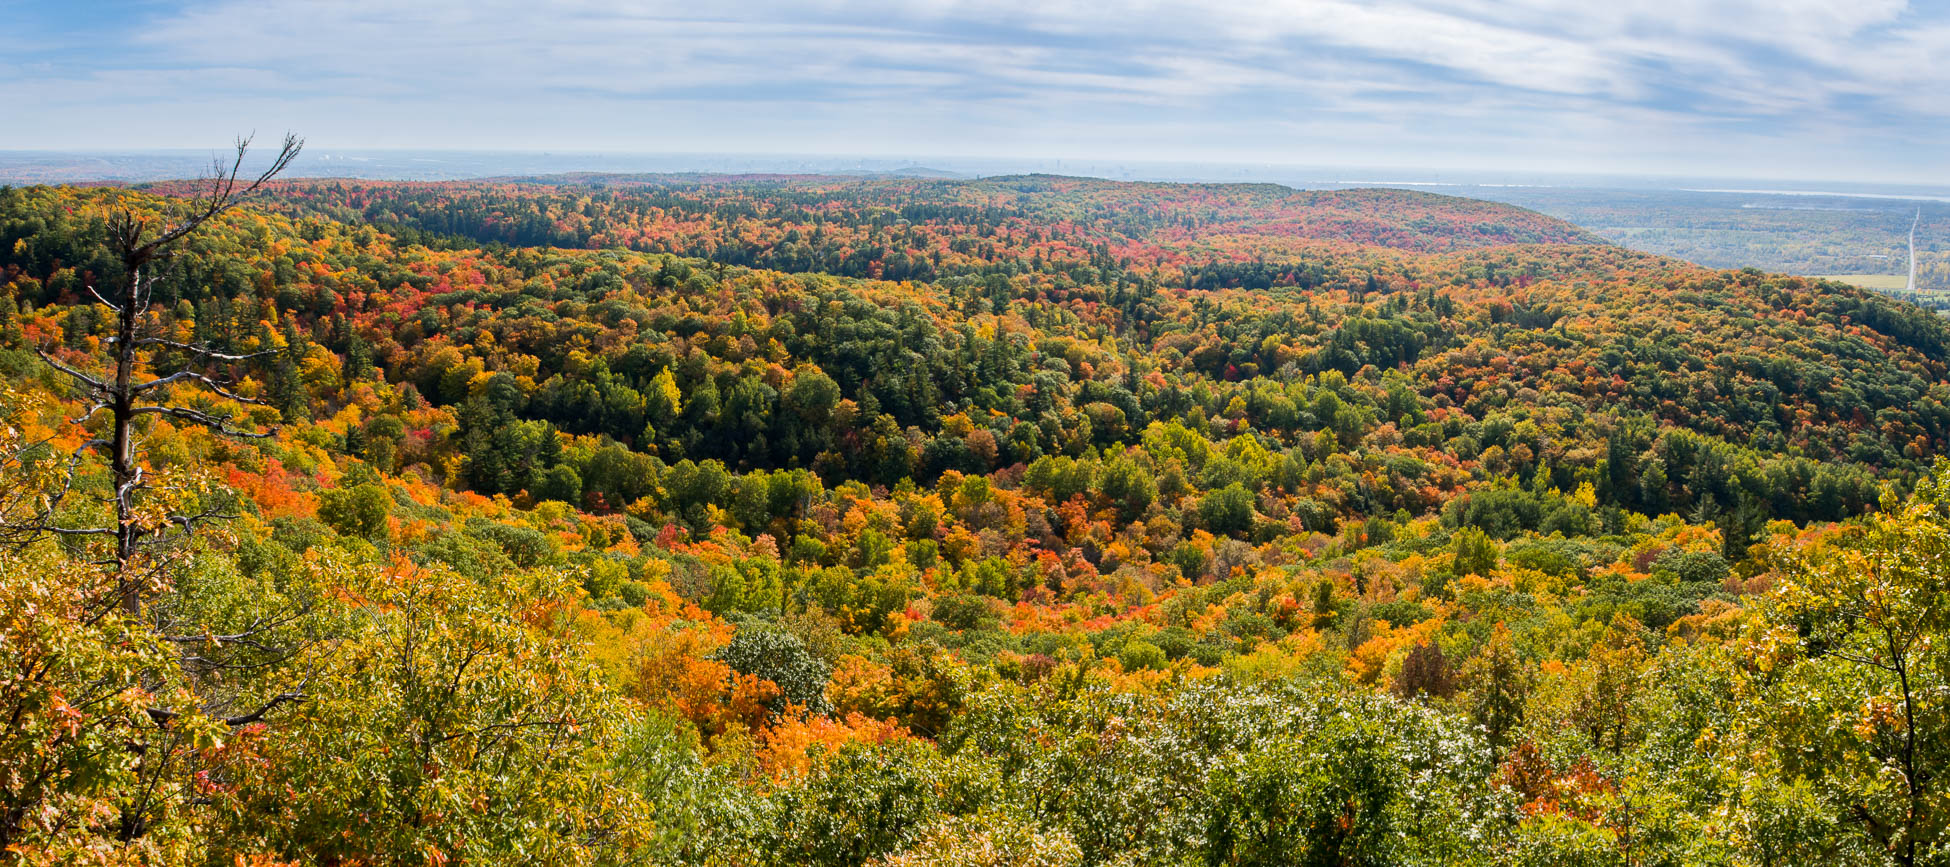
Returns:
(1209,79)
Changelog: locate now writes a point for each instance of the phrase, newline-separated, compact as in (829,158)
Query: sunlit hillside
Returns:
(1025,521)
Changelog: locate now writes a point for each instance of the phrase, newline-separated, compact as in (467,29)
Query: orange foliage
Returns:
(787,747)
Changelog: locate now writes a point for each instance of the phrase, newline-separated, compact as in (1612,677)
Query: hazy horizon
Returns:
(155,164)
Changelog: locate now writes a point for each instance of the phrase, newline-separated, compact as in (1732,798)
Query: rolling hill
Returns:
(768,520)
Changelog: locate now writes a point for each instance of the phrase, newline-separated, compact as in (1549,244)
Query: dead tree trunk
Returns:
(119,391)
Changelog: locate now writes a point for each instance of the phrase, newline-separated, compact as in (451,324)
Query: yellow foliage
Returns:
(1276,660)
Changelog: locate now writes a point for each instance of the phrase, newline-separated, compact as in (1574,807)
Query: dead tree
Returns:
(127,390)
(148,517)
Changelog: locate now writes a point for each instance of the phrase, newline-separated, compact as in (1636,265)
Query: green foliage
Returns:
(469,554)
(1085,523)
(1862,651)
(1498,685)
(780,657)
(1696,567)
(990,837)
(359,511)
(1279,774)
(440,724)
(71,686)
(965,612)
(1141,655)
(1475,553)
(526,547)
(858,804)
(1227,511)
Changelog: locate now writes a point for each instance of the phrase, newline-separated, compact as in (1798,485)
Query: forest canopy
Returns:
(1032,520)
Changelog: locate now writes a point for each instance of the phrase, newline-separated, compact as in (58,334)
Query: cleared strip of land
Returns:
(1869,281)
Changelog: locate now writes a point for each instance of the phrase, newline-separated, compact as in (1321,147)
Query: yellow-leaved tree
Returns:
(1853,696)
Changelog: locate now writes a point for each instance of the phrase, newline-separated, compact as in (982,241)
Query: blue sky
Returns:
(1837,89)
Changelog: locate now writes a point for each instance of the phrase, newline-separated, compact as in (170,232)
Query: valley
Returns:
(938,510)
(946,434)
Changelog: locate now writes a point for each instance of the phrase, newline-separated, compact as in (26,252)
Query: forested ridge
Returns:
(1209,235)
(1037,520)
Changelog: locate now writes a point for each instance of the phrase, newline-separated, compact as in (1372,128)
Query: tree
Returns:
(151,514)
(126,387)
(780,657)
(445,727)
(1476,554)
(70,690)
(1861,631)
(360,510)
(1425,671)
(1498,686)
(1227,511)
(859,803)
(561,483)
(1608,682)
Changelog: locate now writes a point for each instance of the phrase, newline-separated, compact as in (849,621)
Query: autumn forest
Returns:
(1030,520)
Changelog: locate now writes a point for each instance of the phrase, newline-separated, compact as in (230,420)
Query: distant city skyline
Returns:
(1779,89)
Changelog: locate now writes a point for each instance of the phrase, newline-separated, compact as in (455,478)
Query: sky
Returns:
(1814,89)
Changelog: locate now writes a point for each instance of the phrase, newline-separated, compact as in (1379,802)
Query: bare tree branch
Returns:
(204,351)
(222,196)
(258,715)
(84,417)
(217,423)
(85,379)
(98,297)
(206,381)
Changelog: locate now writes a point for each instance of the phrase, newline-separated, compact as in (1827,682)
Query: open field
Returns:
(1796,234)
(1882,282)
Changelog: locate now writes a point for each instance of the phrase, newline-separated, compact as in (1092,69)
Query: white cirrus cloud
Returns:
(1787,81)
